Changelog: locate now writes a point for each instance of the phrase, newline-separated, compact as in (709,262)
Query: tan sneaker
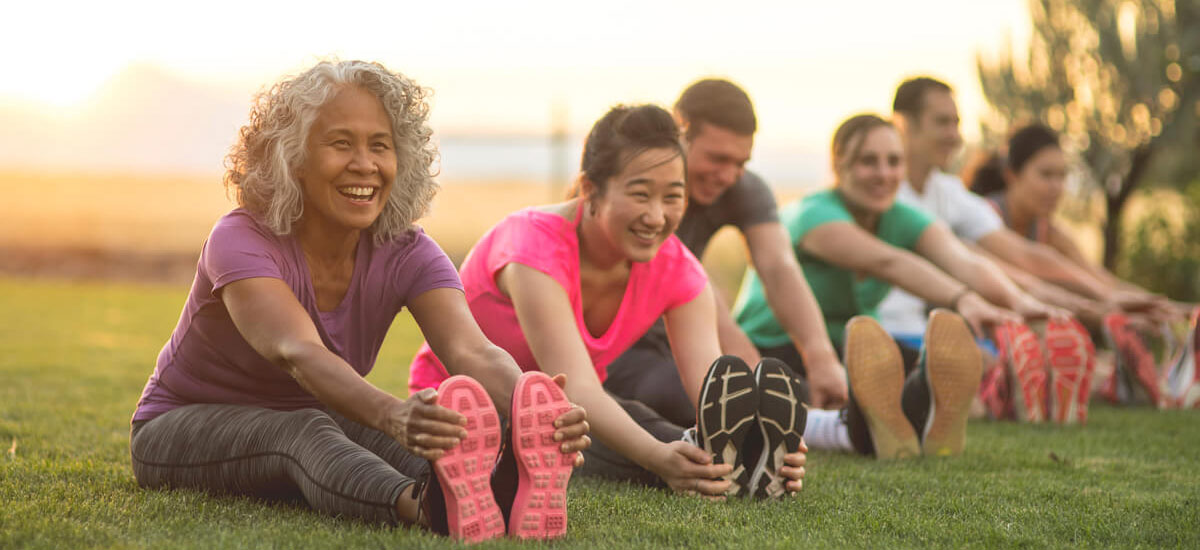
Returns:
(876,372)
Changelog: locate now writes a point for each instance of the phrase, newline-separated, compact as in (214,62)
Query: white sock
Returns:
(826,430)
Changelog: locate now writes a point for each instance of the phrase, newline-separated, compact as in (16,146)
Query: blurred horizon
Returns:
(143,87)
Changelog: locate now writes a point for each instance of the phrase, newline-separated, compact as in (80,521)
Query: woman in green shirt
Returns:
(855,242)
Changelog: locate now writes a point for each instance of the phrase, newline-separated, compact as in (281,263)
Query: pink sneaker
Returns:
(994,392)
(1085,393)
(1023,358)
(1067,360)
(539,510)
(465,472)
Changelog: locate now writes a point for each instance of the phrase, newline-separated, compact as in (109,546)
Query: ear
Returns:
(587,189)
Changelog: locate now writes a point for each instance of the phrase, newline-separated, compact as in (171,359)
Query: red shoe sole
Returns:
(1066,359)
(1085,393)
(1024,359)
(1133,357)
(465,472)
(540,508)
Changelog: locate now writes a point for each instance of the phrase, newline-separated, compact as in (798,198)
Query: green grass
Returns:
(74,357)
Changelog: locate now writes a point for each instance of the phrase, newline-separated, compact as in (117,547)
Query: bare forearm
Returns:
(334,383)
(793,303)
(921,278)
(492,367)
(610,424)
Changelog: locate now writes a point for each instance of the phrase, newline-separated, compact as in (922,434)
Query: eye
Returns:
(381,146)
(340,143)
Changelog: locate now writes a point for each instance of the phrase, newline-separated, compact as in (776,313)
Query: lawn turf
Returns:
(74,357)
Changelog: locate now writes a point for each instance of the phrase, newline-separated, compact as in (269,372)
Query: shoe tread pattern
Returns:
(953,369)
(782,415)
(876,372)
(727,412)
(465,471)
(540,508)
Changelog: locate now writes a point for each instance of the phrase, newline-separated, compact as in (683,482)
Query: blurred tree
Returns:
(1120,79)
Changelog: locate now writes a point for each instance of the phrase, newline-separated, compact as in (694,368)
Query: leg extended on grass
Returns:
(337,466)
(603,462)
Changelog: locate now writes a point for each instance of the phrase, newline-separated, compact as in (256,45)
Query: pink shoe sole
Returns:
(1089,369)
(1066,361)
(540,508)
(465,472)
(1023,357)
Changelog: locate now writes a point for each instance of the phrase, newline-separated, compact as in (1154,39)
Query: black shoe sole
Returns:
(726,413)
(782,415)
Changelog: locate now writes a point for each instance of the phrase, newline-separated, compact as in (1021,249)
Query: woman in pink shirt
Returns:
(568,287)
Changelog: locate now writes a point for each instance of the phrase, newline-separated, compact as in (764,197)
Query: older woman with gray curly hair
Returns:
(260,390)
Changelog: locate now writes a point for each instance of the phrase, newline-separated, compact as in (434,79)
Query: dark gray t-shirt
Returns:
(748,202)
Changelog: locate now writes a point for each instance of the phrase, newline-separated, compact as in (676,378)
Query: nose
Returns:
(362,162)
(654,217)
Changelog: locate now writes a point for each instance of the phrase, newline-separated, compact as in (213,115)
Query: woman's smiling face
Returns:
(868,181)
(642,204)
(350,162)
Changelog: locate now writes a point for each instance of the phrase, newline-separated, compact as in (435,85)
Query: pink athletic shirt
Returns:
(208,361)
(548,243)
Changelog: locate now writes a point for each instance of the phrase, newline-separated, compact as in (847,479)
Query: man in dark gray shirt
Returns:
(718,124)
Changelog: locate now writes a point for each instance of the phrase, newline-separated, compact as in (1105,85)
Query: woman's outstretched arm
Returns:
(548,322)
(268,316)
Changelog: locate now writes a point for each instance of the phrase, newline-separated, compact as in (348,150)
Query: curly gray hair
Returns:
(261,167)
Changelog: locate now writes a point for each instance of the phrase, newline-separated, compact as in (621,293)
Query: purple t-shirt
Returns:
(208,361)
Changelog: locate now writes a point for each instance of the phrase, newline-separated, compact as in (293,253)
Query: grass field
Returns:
(74,357)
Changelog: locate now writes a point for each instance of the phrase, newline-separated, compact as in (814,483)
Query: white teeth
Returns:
(358,192)
(646,234)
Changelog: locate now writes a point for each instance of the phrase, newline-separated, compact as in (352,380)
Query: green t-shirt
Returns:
(840,293)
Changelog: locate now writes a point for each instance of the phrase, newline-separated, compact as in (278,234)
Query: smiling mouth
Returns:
(645,234)
(359,193)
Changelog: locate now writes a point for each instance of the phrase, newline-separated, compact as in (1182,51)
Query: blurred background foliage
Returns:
(1120,80)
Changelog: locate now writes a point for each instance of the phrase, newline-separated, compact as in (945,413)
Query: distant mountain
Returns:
(142,119)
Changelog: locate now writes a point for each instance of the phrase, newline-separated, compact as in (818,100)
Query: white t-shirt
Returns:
(968,215)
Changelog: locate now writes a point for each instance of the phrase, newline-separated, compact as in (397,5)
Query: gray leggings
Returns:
(338,466)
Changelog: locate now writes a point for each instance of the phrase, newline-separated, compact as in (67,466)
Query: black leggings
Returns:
(338,466)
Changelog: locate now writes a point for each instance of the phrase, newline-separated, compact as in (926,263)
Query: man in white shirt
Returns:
(926,117)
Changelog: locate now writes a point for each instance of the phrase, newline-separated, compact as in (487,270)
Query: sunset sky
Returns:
(497,68)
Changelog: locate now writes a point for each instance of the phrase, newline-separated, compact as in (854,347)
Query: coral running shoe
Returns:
(464,472)
(1024,361)
(1135,377)
(539,509)
(994,392)
(1067,361)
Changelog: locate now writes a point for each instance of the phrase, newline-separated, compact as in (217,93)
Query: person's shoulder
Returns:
(241,225)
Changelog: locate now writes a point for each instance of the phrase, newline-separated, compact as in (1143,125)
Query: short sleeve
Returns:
(239,248)
(812,212)
(974,217)
(534,239)
(903,225)
(433,268)
(752,202)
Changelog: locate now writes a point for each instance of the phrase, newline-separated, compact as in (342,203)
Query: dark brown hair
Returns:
(717,102)
(622,134)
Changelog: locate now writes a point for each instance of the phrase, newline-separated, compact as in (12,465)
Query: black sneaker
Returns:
(726,415)
(781,417)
